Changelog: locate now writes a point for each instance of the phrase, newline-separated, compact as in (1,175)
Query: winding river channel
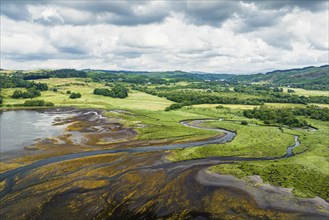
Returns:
(133,180)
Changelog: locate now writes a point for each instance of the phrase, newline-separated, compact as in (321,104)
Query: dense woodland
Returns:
(313,78)
(288,116)
(191,97)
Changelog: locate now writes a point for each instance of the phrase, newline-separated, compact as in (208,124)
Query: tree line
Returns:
(287,116)
(192,97)
(60,73)
(17,80)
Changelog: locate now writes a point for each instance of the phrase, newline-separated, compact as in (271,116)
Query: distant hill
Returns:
(308,77)
(316,78)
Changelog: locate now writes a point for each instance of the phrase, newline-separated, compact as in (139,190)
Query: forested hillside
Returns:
(308,78)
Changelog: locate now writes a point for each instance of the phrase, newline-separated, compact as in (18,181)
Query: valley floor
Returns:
(107,156)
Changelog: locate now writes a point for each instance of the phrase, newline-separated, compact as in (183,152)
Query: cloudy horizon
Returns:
(210,36)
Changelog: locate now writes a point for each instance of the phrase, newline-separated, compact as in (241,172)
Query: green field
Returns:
(251,141)
(233,106)
(272,105)
(305,92)
(155,125)
(135,100)
(307,173)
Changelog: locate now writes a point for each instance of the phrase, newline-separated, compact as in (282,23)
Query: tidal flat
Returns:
(98,168)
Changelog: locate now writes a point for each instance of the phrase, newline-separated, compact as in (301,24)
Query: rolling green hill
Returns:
(316,78)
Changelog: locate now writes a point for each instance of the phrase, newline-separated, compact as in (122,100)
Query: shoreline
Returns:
(265,195)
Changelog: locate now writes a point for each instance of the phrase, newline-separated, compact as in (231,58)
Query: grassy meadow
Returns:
(304,92)
(307,173)
(152,125)
(251,141)
(135,100)
(272,105)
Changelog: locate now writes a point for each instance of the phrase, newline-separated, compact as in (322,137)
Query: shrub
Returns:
(74,95)
(37,103)
(31,93)
(174,106)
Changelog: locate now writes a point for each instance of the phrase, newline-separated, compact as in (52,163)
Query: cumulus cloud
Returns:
(215,36)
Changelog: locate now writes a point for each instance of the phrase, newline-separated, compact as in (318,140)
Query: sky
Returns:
(211,36)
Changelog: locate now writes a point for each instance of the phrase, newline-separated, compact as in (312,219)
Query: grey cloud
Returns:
(279,42)
(130,54)
(194,38)
(27,57)
(215,13)
(122,12)
(253,20)
(72,50)
(14,10)
(319,46)
(130,13)
(278,39)
(210,13)
(311,5)
(51,20)
(127,13)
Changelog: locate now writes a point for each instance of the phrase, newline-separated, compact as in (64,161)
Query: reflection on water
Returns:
(21,128)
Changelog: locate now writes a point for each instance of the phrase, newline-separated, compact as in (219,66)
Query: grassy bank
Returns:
(251,141)
(152,125)
(306,173)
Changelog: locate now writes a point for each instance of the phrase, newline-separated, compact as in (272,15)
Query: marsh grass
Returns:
(307,172)
(152,125)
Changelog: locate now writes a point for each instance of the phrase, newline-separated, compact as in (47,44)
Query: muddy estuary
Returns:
(77,164)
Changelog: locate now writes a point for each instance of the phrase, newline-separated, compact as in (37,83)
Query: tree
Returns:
(30,93)
(17,94)
(119,91)
(74,95)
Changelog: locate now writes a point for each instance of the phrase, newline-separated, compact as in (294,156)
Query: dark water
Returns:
(21,128)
